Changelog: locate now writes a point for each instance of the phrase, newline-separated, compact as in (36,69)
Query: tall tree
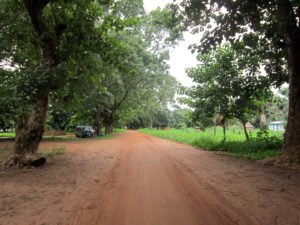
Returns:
(137,79)
(227,86)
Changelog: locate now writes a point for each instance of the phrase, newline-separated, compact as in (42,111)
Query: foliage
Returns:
(91,57)
(161,119)
(161,29)
(52,48)
(271,142)
(256,24)
(277,108)
(180,118)
(226,85)
(7,106)
(136,82)
(58,119)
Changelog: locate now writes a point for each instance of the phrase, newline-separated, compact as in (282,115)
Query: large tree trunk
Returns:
(290,29)
(98,122)
(30,128)
(108,129)
(291,146)
(109,121)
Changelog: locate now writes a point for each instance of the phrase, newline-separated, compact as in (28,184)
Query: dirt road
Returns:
(159,182)
(136,179)
(52,195)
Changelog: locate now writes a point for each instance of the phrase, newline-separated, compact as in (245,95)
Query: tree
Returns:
(226,86)
(94,54)
(271,26)
(277,108)
(58,118)
(137,79)
(180,117)
(161,30)
(7,107)
(140,83)
(50,44)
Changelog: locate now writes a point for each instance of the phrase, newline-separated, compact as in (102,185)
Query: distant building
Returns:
(277,125)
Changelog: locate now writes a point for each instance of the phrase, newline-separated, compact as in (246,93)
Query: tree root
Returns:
(27,160)
(284,161)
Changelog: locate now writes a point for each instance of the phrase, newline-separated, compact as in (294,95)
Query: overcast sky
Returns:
(180,57)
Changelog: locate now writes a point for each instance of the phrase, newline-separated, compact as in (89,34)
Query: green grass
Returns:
(7,134)
(236,144)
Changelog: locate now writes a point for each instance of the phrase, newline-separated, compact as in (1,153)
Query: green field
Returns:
(7,134)
(268,145)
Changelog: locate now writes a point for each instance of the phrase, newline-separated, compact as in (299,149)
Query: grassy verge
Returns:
(236,145)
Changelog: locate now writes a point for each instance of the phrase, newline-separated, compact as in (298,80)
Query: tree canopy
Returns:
(227,85)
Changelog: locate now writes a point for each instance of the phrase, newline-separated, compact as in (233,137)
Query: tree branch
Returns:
(48,39)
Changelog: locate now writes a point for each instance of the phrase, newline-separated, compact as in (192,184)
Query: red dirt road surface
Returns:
(159,182)
(136,179)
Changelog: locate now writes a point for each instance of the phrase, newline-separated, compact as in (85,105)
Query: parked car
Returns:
(84,131)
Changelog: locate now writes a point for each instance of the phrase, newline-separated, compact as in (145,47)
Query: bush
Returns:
(271,142)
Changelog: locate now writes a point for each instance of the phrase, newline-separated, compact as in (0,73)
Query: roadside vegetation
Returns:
(261,145)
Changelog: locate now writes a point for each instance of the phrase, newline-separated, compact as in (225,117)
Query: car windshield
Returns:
(78,128)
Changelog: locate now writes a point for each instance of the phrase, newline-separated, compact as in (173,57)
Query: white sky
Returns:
(180,57)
